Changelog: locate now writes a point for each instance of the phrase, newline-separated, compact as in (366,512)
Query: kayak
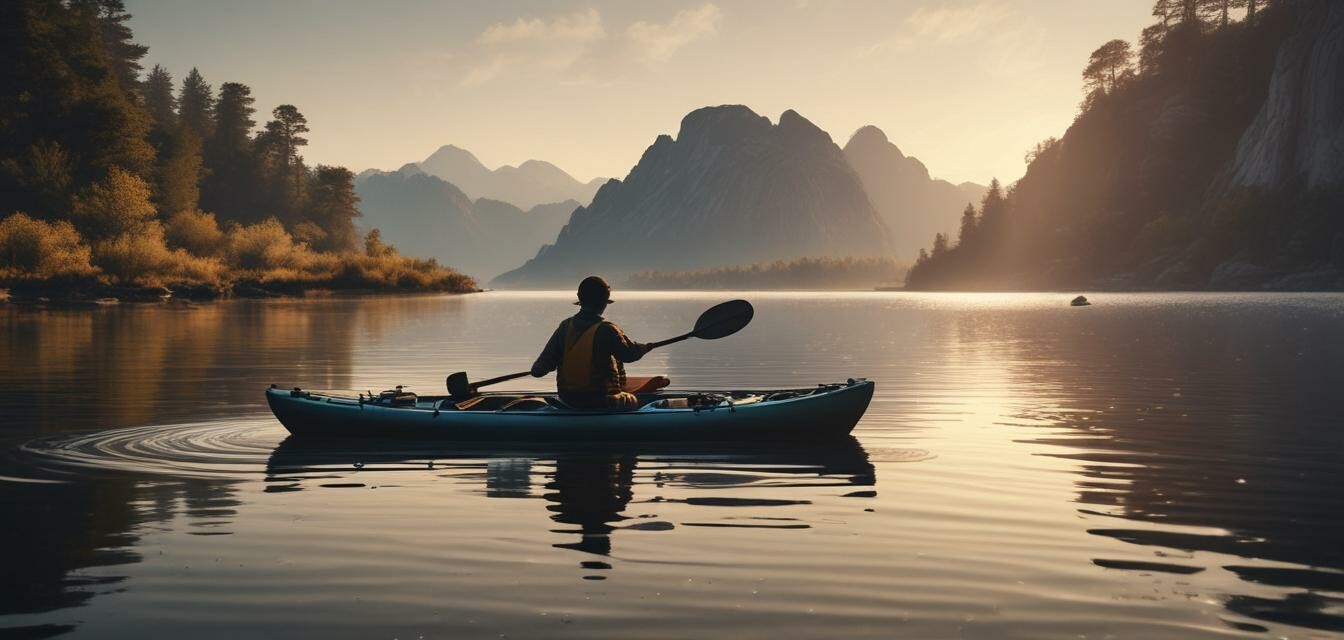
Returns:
(827,411)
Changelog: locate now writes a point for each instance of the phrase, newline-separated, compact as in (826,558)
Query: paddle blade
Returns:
(722,320)
(458,385)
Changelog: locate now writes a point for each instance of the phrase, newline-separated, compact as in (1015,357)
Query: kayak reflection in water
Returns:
(590,353)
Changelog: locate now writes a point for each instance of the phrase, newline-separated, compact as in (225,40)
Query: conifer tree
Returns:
(123,54)
(161,105)
(278,147)
(1107,65)
(939,245)
(196,104)
(74,122)
(229,186)
(180,177)
(333,206)
(968,223)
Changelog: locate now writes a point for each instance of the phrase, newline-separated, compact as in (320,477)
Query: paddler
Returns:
(589,352)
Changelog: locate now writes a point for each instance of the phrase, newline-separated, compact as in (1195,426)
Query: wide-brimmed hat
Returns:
(594,291)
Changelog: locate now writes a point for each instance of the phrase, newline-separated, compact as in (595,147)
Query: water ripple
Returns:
(232,448)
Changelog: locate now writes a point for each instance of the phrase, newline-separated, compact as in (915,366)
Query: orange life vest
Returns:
(576,365)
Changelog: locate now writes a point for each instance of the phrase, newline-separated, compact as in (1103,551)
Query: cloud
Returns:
(954,24)
(550,45)
(580,28)
(577,47)
(1009,43)
(654,42)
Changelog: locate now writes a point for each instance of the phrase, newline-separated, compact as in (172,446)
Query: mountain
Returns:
(426,216)
(527,185)
(731,188)
(1217,162)
(914,205)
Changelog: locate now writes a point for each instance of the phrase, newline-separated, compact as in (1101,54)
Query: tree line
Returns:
(100,157)
(801,273)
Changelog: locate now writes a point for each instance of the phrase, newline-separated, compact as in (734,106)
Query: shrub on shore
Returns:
(197,232)
(34,249)
(192,251)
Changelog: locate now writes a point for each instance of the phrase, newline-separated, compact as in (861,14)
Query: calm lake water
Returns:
(1152,466)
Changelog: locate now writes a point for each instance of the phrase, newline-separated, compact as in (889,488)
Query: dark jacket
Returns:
(611,348)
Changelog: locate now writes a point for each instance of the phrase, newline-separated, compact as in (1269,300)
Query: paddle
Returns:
(719,321)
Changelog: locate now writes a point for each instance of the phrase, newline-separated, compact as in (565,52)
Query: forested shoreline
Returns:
(116,181)
(803,273)
(1187,166)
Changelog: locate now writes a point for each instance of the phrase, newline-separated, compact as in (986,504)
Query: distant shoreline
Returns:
(41,293)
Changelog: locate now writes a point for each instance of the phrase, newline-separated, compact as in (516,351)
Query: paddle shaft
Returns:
(515,376)
(511,376)
(703,329)
(664,343)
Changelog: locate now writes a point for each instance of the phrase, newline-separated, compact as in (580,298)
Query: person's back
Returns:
(589,352)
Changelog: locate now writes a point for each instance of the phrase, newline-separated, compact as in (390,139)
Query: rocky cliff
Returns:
(1298,135)
(914,205)
(731,188)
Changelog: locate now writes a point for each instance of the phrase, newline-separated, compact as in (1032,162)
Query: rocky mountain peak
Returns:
(870,139)
(724,123)
(731,188)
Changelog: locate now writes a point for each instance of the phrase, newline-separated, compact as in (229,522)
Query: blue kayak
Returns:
(827,411)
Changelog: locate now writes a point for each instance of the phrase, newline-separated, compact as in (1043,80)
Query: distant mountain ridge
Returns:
(914,205)
(427,216)
(525,186)
(731,188)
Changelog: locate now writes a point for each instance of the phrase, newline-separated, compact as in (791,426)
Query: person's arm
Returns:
(550,356)
(619,346)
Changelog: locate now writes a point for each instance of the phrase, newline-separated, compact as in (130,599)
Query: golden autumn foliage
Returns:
(34,249)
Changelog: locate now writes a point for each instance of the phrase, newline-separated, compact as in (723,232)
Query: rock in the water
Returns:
(1080,301)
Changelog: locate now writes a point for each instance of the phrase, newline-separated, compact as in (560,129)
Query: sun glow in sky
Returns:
(965,86)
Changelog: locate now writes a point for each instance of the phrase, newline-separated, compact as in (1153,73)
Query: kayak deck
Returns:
(824,411)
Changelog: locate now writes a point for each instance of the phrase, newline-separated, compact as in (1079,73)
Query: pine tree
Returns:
(161,105)
(968,224)
(333,206)
(180,177)
(231,166)
(123,55)
(939,245)
(1107,65)
(278,148)
(196,104)
(66,119)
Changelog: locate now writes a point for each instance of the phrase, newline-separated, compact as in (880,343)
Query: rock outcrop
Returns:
(731,188)
(913,205)
(1299,132)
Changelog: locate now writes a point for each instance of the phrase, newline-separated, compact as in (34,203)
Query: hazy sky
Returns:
(965,86)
